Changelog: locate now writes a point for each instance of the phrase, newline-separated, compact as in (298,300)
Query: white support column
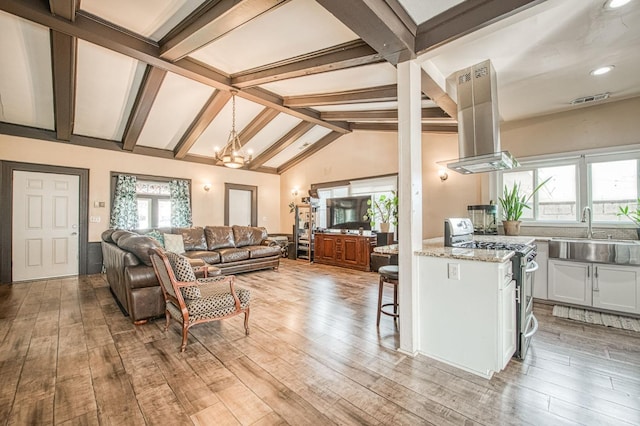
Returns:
(410,201)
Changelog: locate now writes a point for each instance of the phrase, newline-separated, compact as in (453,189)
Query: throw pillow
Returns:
(157,235)
(184,272)
(174,243)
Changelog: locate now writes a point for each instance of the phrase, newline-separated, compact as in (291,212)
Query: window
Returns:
(603,182)
(154,204)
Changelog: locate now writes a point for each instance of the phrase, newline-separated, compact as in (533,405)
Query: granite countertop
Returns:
(435,247)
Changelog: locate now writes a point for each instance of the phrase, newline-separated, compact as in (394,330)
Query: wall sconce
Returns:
(442,173)
(294,192)
(207,187)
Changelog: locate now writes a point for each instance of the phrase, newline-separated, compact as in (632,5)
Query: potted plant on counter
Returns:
(632,215)
(513,204)
(384,208)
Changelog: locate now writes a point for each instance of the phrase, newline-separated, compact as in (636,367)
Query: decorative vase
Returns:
(638,232)
(384,227)
(511,227)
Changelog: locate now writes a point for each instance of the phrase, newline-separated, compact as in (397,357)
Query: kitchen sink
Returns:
(620,252)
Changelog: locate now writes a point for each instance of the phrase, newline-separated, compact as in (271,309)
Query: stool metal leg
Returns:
(381,283)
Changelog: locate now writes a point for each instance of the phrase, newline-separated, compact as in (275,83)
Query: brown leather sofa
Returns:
(232,249)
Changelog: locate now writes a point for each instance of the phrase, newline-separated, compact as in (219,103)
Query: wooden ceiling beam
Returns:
(437,94)
(393,127)
(258,123)
(375,22)
(149,89)
(375,115)
(465,18)
(372,94)
(346,55)
(293,135)
(64,8)
(320,144)
(90,28)
(63,57)
(209,111)
(215,19)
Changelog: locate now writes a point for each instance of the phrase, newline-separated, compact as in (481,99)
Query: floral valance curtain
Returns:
(124,213)
(180,206)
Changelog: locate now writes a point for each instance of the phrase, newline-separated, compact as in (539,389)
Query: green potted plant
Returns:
(384,209)
(513,204)
(632,215)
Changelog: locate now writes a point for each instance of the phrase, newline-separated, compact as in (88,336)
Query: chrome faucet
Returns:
(587,212)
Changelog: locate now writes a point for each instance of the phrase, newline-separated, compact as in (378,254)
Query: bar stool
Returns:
(388,274)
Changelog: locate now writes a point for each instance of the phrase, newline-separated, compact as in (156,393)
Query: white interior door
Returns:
(239,207)
(45,225)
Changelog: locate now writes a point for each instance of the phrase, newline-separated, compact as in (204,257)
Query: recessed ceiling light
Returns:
(602,70)
(614,4)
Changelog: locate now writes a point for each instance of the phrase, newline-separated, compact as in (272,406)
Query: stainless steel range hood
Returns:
(478,122)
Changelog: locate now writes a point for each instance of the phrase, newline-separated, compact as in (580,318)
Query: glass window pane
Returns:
(144,213)
(557,198)
(613,184)
(164,212)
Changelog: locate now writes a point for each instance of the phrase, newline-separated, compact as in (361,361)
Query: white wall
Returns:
(207,207)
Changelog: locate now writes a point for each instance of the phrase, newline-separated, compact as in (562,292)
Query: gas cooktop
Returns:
(491,245)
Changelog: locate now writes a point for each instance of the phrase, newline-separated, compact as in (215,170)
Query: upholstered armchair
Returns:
(190,300)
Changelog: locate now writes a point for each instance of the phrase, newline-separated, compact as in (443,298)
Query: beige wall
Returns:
(599,126)
(365,154)
(208,207)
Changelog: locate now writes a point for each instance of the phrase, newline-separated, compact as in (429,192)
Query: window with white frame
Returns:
(603,182)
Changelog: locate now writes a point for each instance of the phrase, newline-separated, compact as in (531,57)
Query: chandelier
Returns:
(232,155)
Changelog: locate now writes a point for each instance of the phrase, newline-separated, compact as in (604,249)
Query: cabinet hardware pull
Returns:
(596,286)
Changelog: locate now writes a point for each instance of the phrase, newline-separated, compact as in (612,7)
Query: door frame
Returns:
(6,211)
(254,201)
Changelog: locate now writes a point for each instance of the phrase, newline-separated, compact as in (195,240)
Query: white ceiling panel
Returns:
(26,86)
(296,148)
(272,132)
(423,10)
(177,104)
(337,81)
(150,18)
(106,88)
(298,27)
(217,134)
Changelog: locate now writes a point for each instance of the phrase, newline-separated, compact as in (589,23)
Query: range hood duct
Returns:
(478,122)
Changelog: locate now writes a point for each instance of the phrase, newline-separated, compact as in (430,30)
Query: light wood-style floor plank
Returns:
(68,356)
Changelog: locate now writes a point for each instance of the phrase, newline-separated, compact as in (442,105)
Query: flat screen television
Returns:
(347,212)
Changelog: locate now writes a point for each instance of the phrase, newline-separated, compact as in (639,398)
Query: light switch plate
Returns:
(454,271)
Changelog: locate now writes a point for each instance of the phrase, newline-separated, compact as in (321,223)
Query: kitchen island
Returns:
(467,305)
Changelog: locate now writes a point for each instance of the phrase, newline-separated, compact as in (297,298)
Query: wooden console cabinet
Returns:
(346,250)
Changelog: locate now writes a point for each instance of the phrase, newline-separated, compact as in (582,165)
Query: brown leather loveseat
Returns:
(232,249)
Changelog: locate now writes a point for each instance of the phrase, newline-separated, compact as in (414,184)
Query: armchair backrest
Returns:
(165,275)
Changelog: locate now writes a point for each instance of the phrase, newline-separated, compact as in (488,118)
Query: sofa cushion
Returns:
(263,251)
(183,271)
(233,254)
(248,235)
(209,257)
(138,245)
(106,235)
(219,237)
(193,238)
(120,233)
(173,243)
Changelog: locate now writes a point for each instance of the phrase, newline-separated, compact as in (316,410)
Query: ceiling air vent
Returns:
(591,98)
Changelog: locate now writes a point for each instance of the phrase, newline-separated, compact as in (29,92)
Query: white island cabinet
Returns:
(467,313)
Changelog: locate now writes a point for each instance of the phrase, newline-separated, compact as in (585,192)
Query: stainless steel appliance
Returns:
(459,233)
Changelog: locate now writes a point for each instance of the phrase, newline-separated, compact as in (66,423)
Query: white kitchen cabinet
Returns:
(603,286)
(616,288)
(570,282)
(540,282)
(467,313)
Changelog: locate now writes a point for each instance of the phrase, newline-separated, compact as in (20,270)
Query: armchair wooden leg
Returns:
(185,336)
(246,322)
(167,320)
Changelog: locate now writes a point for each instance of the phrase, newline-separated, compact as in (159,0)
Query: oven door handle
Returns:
(534,329)
(532,267)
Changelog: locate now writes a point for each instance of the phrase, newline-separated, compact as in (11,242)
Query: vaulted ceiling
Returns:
(155,77)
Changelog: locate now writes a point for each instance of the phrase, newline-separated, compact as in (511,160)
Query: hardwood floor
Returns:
(314,356)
